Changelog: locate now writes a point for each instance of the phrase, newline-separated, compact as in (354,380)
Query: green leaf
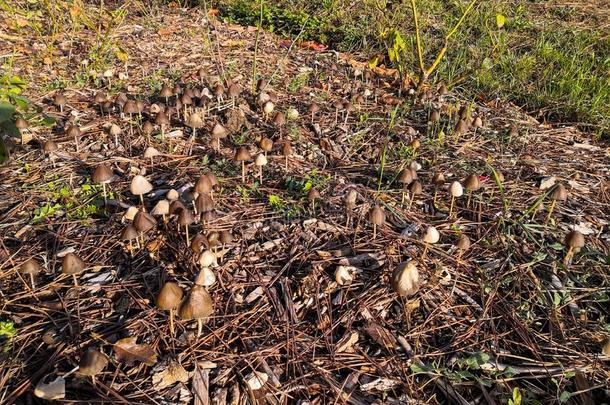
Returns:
(6,111)
(564,397)
(421,369)
(516,396)
(500,20)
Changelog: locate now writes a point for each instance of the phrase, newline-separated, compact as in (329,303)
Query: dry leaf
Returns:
(172,374)
(56,389)
(380,335)
(347,342)
(128,351)
(256,380)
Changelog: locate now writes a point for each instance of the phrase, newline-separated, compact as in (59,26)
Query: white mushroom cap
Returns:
(268,107)
(115,130)
(431,235)
(456,189)
(172,195)
(415,166)
(263,98)
(130,213)
(260,160)
(139,185)
(207,259)
(151,152)
(206,277)
(344,274)
(162,208)
(405,279)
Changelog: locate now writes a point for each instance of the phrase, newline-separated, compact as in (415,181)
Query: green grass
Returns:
(554,60)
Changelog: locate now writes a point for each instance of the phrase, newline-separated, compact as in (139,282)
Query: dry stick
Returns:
(551,208)
(171,322)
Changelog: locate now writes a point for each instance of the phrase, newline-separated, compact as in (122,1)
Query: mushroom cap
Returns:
(266,144)
(431,236)
(73,131)
(261,160)
(161,208)
(456,189)
(560,193)
(212,178)
(195,120)
(72,264)
(461,126)
(226,237)
(261,84)
(207,259)
(151,152)
(161,118)
(198,305)
(205,278)
(169,297)
(268,107)
(405,279)
(463,243)
(435,116)
(263,98)
(416,187)
(234,90)
(59,99)
(219,131)
(166,91)
(198,243)
(139,185)
(438,179)
(313,108)
(115,130)
(344,275)
(204,203)
(172,195)
(30,266)
(143,221)
(350,198)
(478,122)
(103,174)
(219,89)
(574,239)
(287,149)
(313,194)
(279,119)
(405,176)
(129,233)
(377,215)
(185,217)
(21,123)
(472,183)
(130,107)
(49,146)
(185,99)
(203,185)
(175,207)
(148,127)
(243,154)
(92,363)
(130,213)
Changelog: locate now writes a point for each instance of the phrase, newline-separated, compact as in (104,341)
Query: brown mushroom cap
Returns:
(212,178)
(574,239)
(148,128)
(279,119)
(438,179)
(416,187)
(49,146)
(92,363)
(472,183)
(166,91)
(139,185)
(405,176)
(72,264)
(463,243)
(30,267)
(405,279)
(59,100)
(103,174)
(129,233)
(130,107)
(313,108)
(350,198)
(185,217)
(560,193)
(21,123)
(266,144)
(198,305)
(234,90)
(376,215)
(143,221)
(219,131)
(203,185)
(435,116)
(204,203)
(169,297)
(175,207)
(226,237)
(287,149)
(73,131)
(161,119)
(313,194)
(243,154)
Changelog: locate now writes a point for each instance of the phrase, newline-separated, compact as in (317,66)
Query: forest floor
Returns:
(516,317)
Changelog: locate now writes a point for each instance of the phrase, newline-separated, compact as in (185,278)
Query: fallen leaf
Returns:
(256,380)
(128,351)
(172,374)
(213,12)
(56,389)
(347,342)
(380,335)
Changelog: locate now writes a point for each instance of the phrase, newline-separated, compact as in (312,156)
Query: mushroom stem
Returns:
(568,257)
(260,174)
(402,199)
(468,201)
(142,237)
(171,322)
(75,280)
(411,200)
(551,208)
(451,207)
(32,281)
(312,114)
(423,256)
(374,231)
(76,142)
(243,172)
(104,192)
(286,163)
(199,327)
(186,231)
(142,201)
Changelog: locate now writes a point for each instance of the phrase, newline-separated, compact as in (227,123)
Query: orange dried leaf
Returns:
(128,351)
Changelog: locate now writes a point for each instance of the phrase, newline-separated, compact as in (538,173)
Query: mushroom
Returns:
(100,98)
(205,278)
(21,124)
(130,214)
(226,237)
(234,91)
(266,145)
(49,147)
(574,240)
(219,132)
(203,203)
(74,132)
(166,92)
(203,185)
(162,120)
(268,108)
(172,195)
(350,203)
(148,128)
(207,258)
(161,209)
(435,116)
(377,218)
(185,218)
(72,264)
(462,245)
(405,177)
(151,153)
(430,238)
(279,120)
(471,184)
(606,349)
(344,274)
(312,196)
(60,101)
(140,186)
(414,188)
(197,306)
(287,151)
(405,279)
(438,180)
(115,131)
(456,190)
(260,161)
(103,175)
(312,110)
(243,155)
(30,268)
(143,222)
(195,121)
(169,299)
(92,363)
(559,194)
(128,234)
